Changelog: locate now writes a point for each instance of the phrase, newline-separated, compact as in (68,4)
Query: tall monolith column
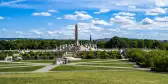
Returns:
(76,35)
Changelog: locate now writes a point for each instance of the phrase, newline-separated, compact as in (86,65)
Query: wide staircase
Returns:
(71,56)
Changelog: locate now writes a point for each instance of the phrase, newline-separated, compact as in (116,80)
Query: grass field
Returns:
(38,61)
(20,69)
(76,68)
(88,60)
(111,64)
(77,74)
(88,77)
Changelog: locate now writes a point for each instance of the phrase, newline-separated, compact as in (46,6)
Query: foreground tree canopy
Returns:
(157,60)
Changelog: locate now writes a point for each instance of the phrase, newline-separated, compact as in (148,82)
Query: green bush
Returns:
(115,55)
(90,55)
(104,55)
(83,55)
(157,60)
(99,54)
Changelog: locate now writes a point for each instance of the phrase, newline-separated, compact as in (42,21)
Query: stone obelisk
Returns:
(76,35)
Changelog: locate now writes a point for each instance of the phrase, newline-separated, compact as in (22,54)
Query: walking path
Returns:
(46,68)
(49,67)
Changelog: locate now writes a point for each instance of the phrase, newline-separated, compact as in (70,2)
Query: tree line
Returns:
(117,42)
(34,44)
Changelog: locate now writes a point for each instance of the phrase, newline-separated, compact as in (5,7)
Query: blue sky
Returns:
(101,18)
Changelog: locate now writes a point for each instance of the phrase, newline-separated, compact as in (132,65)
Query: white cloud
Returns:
(53,33)
(147,21)
(1,18)
(71,17)
(59,18)
(79,15)
(52,10)
(121,4)
(87,26)
(99,22)
(160,2)
(50,24)
(19,32)
(22,33)
(123,20)
(3,29)
(134,7)
(102,11)
(161,19)
(114,29)
(42,14)
(14,3)
(156,11)
(125,14)
(37,32)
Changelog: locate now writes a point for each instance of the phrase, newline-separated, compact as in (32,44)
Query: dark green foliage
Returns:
(157,60)
(34,44)
(100,44)
(90,55)
(83,55)
(4,54)
(100,55)
(32,55)
(115,55)
(117,42)
(104,55)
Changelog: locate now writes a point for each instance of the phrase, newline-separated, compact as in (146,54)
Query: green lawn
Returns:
(88,60)
(92,77)
(8,63)
(111,61)
(74,68)
(119,65)
(1,66)
(20,69)
(38,61)
(13,64)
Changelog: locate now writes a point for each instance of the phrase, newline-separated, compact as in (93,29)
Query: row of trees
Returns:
(100,55)
(41,55)
(157,60)
(32,55)
(3,54)
(117,42)
(34,44)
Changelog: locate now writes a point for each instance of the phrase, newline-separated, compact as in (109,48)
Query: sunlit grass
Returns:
(20,69)
(38,61)
(74,68)
(118,65)
(91,77)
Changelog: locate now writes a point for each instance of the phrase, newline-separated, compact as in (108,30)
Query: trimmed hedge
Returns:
(157,60)
(100,55)
(41,55)
(32,55)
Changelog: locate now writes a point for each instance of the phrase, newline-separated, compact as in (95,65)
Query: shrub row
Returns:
(32,55)
(40,55)
(100,55)
(157,60)
(3,54)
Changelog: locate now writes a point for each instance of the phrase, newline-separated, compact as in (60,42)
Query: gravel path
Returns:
(46,68)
